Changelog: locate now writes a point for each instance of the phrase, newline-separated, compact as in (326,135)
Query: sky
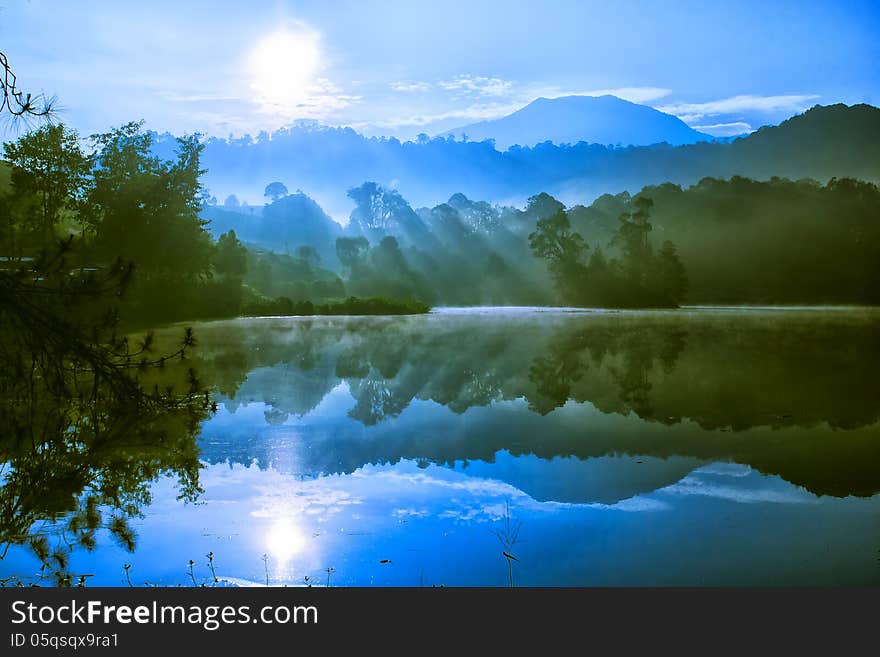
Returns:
(401,68)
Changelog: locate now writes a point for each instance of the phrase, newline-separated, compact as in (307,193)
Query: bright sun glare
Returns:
(284,540)
(284,65)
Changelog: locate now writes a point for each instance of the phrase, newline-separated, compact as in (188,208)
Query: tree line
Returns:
(639,277)
(720,241)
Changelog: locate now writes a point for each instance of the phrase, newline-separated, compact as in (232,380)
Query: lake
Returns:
(703,446)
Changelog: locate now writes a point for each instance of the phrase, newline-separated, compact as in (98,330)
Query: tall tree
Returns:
(351,251)
(85,428)
(670,273)
(275,191)
(48,164)
(564,250)
(146,209)
(230,259)
(309,254)
(632,239)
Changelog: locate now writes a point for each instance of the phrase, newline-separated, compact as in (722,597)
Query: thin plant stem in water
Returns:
(210,556)
(508,535)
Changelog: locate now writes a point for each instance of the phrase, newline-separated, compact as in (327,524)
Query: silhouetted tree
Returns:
(309,254)
(275,191)
(230,259)
(351,251)
(146,209)
(564,250)
(49,166)
(670,273)
(86,428)
(632,240)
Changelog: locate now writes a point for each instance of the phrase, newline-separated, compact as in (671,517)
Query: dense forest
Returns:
(109,205)
(776,241)
(116,204)
(731,240)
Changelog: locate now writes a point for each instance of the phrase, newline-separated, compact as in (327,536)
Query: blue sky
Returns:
(401,68)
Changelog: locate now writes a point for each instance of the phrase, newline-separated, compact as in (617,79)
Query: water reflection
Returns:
(789,393)
(85,435)
(680,447)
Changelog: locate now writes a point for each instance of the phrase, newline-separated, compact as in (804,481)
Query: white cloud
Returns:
(319,101)
(474,98)
(411,86)
(689,112)
(175,97)
(470,114)
(743,487)
(637,504)
(726,469)
(632,94)
(725,129)
(757,495)
(479,85)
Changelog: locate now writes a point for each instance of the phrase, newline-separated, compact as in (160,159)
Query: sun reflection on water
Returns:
(284,540)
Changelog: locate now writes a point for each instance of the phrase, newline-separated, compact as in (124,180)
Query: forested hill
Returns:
(824,142)
(738,240)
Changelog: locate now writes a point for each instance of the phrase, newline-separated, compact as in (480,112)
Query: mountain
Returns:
(591,119)
(840,139)
(822,143)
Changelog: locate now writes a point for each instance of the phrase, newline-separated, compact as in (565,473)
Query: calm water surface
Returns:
(701,446)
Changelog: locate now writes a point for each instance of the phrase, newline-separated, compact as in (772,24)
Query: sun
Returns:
(284,66)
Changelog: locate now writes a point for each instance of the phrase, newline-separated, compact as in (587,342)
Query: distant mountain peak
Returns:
(571,119)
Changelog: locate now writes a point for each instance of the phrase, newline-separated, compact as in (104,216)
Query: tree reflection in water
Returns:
(90,418)
(722,380)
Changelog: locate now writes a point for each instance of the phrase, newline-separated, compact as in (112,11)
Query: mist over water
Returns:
(701,446)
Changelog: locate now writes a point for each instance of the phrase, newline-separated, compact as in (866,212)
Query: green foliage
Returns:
(275,275)
(230,257)
(382,270)
(309,254)
(669,273)
(49,177)
(759,242)
(90,418)
(564,251)
(632,239)
(145,209)
(352,252)
(638,278)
